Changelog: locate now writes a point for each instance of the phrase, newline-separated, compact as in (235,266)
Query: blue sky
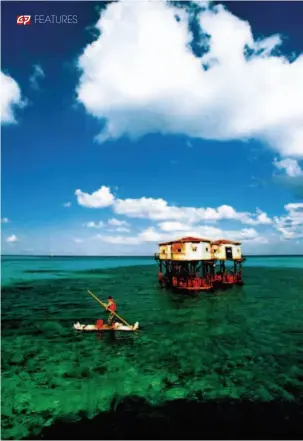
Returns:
(126,128)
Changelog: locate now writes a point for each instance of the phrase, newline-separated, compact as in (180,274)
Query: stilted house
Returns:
(227,250)
(185,263)
(198,264)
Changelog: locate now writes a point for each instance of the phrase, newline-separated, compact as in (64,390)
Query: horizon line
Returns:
(132,255)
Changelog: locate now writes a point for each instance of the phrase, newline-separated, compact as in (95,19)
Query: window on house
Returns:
(194,248)
(206,249)
(179,250)
(238,250)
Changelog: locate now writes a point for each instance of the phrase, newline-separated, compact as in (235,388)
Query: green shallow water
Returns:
(237,346)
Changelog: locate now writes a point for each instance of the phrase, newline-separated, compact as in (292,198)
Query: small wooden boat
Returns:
(116,327)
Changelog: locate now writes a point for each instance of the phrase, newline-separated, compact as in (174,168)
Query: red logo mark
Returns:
(23,20)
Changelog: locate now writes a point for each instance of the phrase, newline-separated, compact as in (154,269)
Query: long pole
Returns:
(105,306)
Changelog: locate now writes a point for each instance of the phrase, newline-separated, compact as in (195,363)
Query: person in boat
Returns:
(111,307)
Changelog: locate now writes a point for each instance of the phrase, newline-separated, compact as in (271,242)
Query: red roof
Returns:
(225,242)
(185,240)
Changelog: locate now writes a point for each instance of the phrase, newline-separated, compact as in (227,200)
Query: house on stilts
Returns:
(199,264)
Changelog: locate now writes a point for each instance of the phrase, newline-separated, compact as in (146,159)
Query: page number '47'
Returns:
(23,19)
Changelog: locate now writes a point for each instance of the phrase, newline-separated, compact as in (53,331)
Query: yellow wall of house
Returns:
(219,251)
(186,251)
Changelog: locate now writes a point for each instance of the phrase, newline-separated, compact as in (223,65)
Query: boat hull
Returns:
(116,328)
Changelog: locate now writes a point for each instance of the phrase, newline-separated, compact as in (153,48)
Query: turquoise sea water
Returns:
(208,365)
(21,268)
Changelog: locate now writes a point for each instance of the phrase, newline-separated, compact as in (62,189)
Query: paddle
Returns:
(105,306)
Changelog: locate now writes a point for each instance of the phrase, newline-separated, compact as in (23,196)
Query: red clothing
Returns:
(99,324)
(112,307)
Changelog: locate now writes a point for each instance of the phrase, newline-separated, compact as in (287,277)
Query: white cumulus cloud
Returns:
(98,199)
(152,235)
(290,175)
(261,218)
(122,229)
(67,204)
(173,226)
(118,223)
(291,224)
(93,224)
(141,76)
(119,226)
(159,209)
(290,166)
(11,239)
(4,220)
(10,99)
